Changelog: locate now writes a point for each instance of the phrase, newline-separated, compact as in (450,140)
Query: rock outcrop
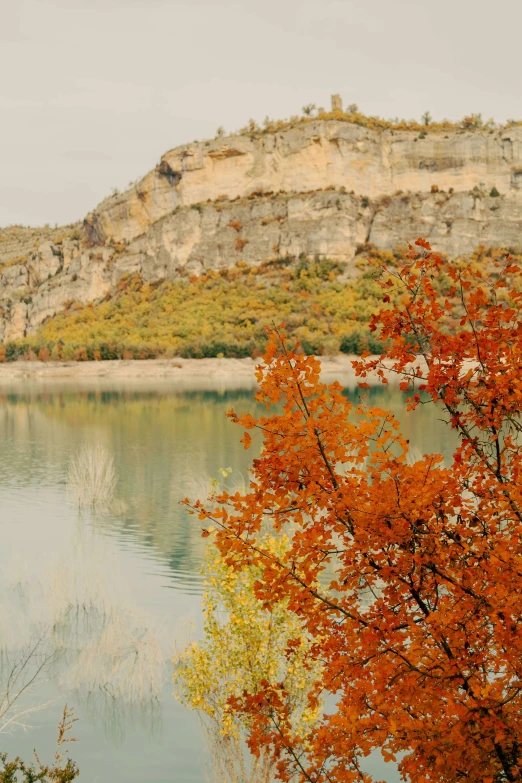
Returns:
(322,188)
(309,157)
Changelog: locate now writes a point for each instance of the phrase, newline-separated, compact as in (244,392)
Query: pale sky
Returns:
(93,92)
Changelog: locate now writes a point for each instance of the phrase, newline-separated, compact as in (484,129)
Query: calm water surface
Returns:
(135,566)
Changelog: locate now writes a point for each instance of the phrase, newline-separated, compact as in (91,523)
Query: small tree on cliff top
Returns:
(420,630)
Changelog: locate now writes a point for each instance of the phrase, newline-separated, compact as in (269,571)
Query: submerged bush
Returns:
(92,476)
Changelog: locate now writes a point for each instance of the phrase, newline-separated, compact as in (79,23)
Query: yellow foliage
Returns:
(219,313)
(225,312)
(246,645)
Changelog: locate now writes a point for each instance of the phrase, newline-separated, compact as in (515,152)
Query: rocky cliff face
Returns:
(311,157)
(323,188)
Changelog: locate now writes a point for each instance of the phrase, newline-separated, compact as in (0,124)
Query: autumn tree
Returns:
(405,573)
(245,647)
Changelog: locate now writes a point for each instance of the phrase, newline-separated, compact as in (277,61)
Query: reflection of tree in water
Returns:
(161,440)
(158,440)
(21,669)
(118,718)
(73,633)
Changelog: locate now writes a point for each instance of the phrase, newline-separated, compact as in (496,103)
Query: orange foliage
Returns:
(80,355)
(406,573)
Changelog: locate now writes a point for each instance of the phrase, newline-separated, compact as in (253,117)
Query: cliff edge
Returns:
(321,188)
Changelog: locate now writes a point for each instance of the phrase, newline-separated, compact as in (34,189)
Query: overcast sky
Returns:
(94,91)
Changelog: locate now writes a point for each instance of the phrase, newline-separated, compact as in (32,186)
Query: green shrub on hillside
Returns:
(225,313)
(221,313)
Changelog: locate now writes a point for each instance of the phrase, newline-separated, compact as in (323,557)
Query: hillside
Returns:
(319,188)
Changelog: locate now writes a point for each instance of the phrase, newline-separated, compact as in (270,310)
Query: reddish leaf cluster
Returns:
(407,574)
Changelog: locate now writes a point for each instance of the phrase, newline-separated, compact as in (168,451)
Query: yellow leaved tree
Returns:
(246,647)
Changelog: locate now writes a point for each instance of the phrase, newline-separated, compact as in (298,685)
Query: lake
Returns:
(119,589)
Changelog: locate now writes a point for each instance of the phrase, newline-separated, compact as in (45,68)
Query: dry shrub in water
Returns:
(201,486)
(108,646)
(20,671)
(69,627)
(123,659)
(92,476)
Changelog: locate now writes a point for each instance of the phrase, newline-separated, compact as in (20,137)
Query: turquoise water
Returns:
(130,568)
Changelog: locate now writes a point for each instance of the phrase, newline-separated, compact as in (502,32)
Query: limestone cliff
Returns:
(310,157)
(322,188)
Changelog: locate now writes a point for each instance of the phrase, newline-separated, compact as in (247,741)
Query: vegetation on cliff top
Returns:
(352,114)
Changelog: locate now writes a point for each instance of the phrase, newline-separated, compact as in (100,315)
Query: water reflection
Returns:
(160,442)
(131,565)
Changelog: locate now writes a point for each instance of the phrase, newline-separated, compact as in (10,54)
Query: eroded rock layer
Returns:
(323,188)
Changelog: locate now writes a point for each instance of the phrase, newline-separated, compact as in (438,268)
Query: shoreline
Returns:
(194,373)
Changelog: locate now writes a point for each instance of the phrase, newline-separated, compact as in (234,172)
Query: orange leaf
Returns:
(422,243)
(246,440)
